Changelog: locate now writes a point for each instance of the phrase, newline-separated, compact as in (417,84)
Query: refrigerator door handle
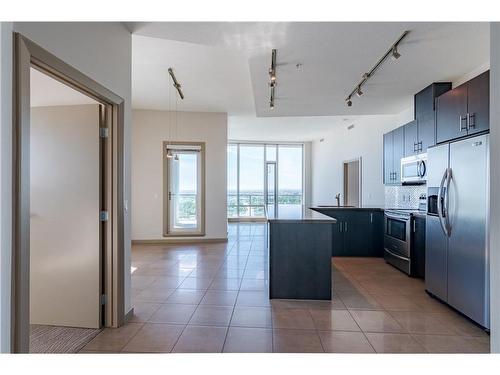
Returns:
(440,203)
(447,200)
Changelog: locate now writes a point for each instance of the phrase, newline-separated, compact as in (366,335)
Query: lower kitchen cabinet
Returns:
(357,233)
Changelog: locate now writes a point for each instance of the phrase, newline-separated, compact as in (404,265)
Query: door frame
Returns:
(360,179)
(166,187)
(27,54)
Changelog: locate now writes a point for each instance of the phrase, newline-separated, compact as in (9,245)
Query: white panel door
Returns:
(64,227)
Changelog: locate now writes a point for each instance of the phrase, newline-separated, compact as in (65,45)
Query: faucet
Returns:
(337,197)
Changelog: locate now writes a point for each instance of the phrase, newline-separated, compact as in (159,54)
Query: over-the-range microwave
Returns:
(414,169)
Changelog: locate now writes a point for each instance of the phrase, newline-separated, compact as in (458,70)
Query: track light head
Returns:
(395,54)
(271,105)
(349,102)
(359,93)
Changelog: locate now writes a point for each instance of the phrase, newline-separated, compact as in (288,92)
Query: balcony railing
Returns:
(252,204)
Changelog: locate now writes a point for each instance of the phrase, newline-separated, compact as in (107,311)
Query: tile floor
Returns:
(214,298)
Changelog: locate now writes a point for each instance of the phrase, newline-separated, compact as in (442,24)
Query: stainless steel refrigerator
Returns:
(457,264)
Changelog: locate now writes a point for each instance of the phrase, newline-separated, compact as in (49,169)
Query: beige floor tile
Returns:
(168,282)
(397,302)
(154,338)
(143,311)
(256,299)
(452,344)
(212,315)
(296,341)
(197,283)
(292,319)
(220,297)
(356,300)
(186,296)
(334,320)
(113,339)
(461,325)
(394,343)
(252,317)
(420,322)
(376,321)
(249,340)
(151,294)
(199,339)
(345,342)
(173,313)
(254,284)
(225,284)
(335,303)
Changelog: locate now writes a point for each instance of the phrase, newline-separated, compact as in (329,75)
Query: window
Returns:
(264,176)
(184,189)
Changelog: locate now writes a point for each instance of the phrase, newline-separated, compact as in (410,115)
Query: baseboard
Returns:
(164,241)
(129,315)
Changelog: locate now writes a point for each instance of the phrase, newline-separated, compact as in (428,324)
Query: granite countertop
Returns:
(365,208)
(308,216)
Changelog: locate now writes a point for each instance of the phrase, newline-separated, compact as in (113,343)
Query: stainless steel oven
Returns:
(397,239)
(414,169)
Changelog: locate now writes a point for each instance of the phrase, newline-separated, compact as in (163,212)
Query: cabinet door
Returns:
(426,131)
(357,234)
(478,103)
(399,153)
(411,140)
(451,110)
(376,245)
(338,236)
(418,247)
(388,158)
(424,102)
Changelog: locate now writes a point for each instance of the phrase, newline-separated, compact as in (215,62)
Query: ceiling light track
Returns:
(177,85)
(392,52)
(272,78)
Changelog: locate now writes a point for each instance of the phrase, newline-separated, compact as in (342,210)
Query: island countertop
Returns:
(346,208)
(307,216)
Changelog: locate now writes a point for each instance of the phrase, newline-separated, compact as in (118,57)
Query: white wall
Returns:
(340,144)
(102,51)
(149,130)
(5,181)
(495,186)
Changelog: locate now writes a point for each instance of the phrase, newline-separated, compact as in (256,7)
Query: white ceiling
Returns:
(213,79)
(223,66)
(46,91)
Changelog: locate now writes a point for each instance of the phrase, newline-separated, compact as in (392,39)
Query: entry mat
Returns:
(53,339)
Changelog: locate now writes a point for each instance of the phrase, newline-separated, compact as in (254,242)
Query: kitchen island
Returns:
(300,250)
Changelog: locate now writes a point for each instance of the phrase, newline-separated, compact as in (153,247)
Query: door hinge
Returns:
(103,216)
(103,132)
(104,299)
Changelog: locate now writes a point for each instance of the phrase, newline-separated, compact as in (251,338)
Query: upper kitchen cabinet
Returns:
(422,131)
(394,151)
(411,138)
(464,110)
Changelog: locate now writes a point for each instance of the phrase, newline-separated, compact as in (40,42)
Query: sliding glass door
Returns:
(264,177)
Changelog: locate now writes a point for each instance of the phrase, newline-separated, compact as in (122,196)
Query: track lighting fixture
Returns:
(359,93)
(272,78)
(177,85)
(395,54)
(392,52)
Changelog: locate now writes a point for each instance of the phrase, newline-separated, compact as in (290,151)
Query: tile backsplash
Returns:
(405,196)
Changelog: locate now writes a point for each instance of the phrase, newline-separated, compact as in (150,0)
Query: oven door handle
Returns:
(440,210)
(395,217)
(395,255)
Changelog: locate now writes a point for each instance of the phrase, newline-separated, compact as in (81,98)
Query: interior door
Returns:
(65,259)
(467,254)
(271,190)
(184,191)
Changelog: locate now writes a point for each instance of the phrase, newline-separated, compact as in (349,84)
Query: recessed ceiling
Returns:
(46,91)
(223,66)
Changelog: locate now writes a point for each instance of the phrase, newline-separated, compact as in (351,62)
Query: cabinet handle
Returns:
(371,218)
(471,124)
(420,147)
(340,226)
(460,119)
(345,223)
(414,227)
(415,147)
